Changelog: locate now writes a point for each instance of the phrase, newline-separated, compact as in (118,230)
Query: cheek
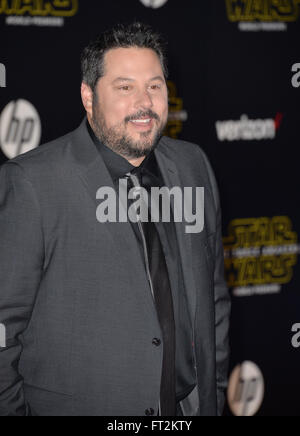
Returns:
(117,110)
(163,108)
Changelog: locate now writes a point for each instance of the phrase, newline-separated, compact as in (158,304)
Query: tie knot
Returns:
(134,179)
(143,177)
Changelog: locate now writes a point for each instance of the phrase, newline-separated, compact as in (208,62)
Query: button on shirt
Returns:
(149,174)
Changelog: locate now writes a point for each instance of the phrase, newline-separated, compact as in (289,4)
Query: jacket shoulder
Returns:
(47,152)
(184,151)
(48,161)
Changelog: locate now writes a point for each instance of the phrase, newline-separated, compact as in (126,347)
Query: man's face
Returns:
(130,103)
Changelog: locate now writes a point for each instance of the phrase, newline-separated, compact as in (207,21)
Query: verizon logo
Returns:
(246,129)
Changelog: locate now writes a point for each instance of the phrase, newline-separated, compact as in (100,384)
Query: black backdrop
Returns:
(231,92)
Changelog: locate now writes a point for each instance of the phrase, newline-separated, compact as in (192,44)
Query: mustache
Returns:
(140,114)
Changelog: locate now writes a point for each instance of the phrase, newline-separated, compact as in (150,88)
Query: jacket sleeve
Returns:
(21,264)
(222,302)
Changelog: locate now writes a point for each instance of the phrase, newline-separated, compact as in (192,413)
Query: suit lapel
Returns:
(172,178)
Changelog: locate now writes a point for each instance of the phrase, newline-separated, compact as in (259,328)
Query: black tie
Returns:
(161,289)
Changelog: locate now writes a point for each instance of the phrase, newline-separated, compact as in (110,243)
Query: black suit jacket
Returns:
(74,296)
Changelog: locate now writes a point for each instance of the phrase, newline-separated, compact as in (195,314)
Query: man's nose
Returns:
(144,100)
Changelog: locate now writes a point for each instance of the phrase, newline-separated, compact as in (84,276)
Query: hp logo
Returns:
(155,4)
(20,128)
(246,390)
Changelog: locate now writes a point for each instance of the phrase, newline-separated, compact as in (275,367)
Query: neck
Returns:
(137,162)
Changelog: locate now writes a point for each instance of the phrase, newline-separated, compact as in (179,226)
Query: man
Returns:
(111,317)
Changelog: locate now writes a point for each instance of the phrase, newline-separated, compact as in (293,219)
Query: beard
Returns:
(118,141)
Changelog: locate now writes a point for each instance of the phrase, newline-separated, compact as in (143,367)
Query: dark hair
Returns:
(131,35)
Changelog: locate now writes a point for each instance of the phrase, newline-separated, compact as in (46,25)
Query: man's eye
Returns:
(125,88)
(155,87)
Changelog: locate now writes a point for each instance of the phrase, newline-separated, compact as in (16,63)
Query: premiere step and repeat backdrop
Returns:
(234,90)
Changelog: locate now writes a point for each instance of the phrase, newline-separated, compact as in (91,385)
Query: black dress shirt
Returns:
(150,175)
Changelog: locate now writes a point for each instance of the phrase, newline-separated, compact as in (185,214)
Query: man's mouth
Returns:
(142,122)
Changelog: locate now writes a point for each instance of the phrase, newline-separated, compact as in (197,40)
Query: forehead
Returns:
(132,62)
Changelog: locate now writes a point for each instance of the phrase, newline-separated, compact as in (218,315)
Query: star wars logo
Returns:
(263,10)
(260,254)
(42,8)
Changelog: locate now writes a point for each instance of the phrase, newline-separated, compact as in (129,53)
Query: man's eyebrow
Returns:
(123,79)
(157,78)
(127,79)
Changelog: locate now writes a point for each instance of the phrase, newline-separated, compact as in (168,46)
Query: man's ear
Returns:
(87,98)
